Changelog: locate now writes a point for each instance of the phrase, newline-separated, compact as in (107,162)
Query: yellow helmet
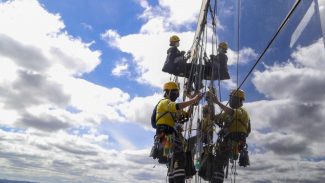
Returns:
(174,38)
(223,45)
(171,85)
(240,93)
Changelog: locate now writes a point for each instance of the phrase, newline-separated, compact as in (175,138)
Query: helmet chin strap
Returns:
(172,96)
(235,104)
(221,50)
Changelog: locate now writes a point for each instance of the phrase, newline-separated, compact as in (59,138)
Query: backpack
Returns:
(249,128)
(153,116)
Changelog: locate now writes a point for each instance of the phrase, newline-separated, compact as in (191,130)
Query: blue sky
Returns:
(100,15)
(78,82)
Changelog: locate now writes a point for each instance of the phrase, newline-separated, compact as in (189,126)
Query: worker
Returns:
(207,124)
(222,60)
(176,60)
(166,124)
(216,67)
(235,127)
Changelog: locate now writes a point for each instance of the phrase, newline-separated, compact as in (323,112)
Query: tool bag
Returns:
(206,169)
(157,151)
(243,157)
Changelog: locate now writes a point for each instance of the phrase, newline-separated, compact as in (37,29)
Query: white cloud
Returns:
(258,109)
(45,46)
(112,37)
(39,38)
(245,55)
(72,158)
(294,78)
(172,13)
(121,68)
(56,99)
(139,109)
(228,11)
(272,168)
(287,129)
(315,51)
(20,26)
(9,116)
(148,56)
(154,26)
(7,71)
(87,26)
(123,142)
(40,93)
(149,47)
(97,102)
(144,3)
(292,118)
(39,65)
(229,84)
(181,11)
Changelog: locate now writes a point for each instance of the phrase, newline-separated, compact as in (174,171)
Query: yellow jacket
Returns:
(164,106)
(238,122)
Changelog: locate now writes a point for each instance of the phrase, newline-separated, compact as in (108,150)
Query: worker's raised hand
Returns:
(198,97)
(212,96)
(188,54)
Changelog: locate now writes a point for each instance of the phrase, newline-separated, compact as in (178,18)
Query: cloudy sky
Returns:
(78,83)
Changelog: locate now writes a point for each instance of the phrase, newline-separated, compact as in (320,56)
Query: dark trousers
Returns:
(223,154)
(176,170)
(220,162)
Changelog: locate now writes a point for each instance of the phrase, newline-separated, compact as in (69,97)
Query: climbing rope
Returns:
(237,69)
(197,71)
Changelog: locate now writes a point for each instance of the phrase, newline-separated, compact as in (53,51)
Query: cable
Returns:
(238,47)
(264,51)
(238,55)
(272,40)
(215,31)
(269,44)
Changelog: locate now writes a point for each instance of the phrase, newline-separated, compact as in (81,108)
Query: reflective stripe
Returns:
(179,175)
(170,176)
(218,173)
(218,178)
(179,170)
